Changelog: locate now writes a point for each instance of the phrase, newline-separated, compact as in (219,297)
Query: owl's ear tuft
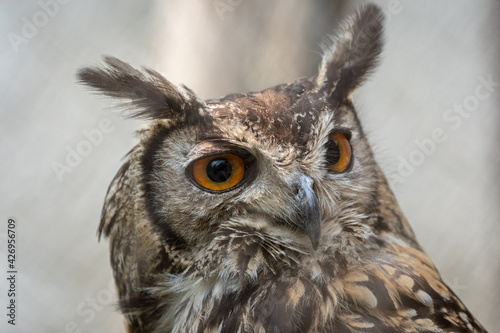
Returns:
(352,54)
(147,93)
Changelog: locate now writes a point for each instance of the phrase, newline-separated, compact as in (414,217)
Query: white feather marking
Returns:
(424,297)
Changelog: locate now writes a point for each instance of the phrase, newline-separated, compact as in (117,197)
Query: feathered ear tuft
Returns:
(150,95)
(353,53)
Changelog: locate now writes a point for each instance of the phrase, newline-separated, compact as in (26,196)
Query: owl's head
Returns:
(288,166)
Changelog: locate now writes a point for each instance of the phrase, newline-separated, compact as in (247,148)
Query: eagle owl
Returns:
(265,211)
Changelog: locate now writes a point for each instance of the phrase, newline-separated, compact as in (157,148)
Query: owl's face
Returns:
(287,166)
(291,162)
(287,160)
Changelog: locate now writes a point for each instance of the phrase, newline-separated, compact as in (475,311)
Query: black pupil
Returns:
(219,170)
(332,152)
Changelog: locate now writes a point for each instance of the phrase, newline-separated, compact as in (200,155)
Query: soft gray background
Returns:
(435,55)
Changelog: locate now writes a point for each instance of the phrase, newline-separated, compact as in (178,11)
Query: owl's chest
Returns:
(250,286)
(273,304)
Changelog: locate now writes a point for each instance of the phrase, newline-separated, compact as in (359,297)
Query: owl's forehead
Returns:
(287,114)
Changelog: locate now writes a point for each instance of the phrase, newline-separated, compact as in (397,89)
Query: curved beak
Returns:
(308,210)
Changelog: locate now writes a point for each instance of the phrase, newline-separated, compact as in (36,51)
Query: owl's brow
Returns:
(214,146)
(341,130)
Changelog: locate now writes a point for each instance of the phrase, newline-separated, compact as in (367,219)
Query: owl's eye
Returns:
(218,172)
(338,153)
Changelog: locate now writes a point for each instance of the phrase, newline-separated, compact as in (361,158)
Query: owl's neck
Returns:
(239,264)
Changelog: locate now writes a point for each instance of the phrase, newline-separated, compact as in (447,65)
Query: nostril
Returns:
(301,184)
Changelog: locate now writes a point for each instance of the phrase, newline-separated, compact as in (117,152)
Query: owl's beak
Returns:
(309,209)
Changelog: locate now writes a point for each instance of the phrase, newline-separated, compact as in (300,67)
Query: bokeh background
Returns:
(436,59)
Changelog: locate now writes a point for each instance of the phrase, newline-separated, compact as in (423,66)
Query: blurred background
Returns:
(430,109)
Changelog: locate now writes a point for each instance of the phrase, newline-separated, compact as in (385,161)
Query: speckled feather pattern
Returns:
(189,260)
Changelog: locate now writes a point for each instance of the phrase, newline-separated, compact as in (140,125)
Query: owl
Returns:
(265,211)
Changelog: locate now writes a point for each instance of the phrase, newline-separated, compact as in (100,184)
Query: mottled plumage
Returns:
(310,237)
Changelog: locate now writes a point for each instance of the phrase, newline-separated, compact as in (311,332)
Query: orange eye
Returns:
(338,153)
(219,172)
